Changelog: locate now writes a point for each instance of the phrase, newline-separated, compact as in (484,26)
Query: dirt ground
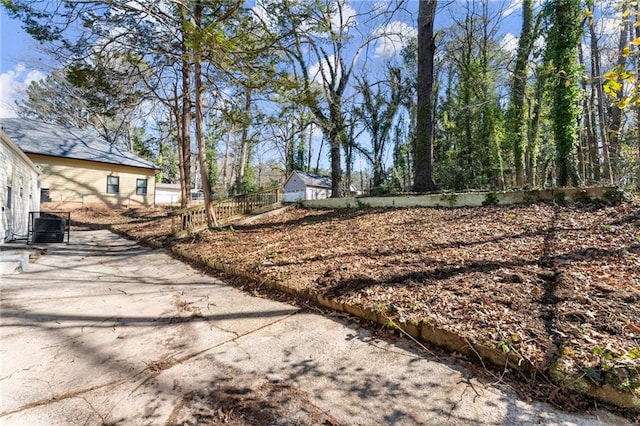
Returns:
(554,284)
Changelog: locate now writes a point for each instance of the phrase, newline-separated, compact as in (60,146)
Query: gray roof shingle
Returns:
(35,137)
(312,179)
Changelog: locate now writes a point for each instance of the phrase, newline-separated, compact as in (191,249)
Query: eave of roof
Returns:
(35,137)
(315,180)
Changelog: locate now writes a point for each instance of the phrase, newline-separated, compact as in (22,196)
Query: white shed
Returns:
(301,186)
(168,193)
(19,190)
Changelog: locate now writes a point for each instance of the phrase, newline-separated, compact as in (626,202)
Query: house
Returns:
(168,193)
(20,190)
(79,168)
(301,186)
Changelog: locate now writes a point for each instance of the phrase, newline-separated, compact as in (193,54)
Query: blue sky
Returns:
(22,61)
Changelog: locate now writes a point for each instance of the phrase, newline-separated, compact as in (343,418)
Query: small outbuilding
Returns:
(168,193)
(79,168)
(20,190)
(302,186)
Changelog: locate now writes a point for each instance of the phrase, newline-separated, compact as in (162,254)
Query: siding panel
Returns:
(79,183)
(20,174)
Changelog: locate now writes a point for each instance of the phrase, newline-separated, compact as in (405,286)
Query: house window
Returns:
(113,184)
(9,197)
(141,187)
(45,195)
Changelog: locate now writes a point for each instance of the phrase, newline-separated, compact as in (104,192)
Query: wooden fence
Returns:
(195,218)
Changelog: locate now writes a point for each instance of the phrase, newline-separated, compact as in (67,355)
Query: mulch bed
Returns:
(554,284)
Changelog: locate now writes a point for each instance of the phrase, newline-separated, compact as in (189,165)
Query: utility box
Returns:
(50,227)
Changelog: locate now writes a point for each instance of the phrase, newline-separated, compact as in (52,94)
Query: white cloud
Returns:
(516,6)
(609,26)
(320,71)
(511,9)
(509,43)
(260,14)
(13,84)
(393,37)
(344,20)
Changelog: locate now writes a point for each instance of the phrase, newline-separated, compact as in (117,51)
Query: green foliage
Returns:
(143,144)
(249,178)
(450,198)
(617,196)
(362,205)
(516,123)
(616,368)
(471,121)
(582,197)
(491,199)
(212,158)
(167,160)
(561,56)
(55,100)
(531,196)
(560,198)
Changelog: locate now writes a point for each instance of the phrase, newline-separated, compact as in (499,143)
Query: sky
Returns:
(22,61)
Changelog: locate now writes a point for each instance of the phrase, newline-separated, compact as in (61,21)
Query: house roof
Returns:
(35,137)
(312,179)
(168,186)
(17,151)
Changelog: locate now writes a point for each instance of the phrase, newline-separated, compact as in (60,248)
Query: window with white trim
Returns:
(141,186)
(113,184)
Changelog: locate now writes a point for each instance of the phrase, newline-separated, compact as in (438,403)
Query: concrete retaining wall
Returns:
(462,199)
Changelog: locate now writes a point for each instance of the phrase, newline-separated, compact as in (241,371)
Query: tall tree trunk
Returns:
(175,109)
(532,134)
(336,172)
(602,117)
(202,149)
(309,153)
(637,35)
(517,123)
(586,168)
(593,168)
(225,160)
(348,157)
(317,169)
(185,132)
(562,45)
(244,142)
(616,113)
(336,137)
(423,158)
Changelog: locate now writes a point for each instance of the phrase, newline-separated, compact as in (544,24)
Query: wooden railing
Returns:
(195,218)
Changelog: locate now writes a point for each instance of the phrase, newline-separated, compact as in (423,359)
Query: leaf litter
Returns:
(549,282)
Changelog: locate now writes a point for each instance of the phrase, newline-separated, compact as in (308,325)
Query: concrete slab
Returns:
(13,262)
(103,331)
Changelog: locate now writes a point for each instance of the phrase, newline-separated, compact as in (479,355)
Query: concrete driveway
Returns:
(103,331)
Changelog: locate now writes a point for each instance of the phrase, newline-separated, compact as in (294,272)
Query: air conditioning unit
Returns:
(48,230)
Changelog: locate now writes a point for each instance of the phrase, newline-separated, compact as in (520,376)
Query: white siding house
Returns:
(19,190)
(168,193)
(302,186)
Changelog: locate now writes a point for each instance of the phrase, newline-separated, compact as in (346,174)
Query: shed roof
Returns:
(169,186)
(312,179)
(36,137)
